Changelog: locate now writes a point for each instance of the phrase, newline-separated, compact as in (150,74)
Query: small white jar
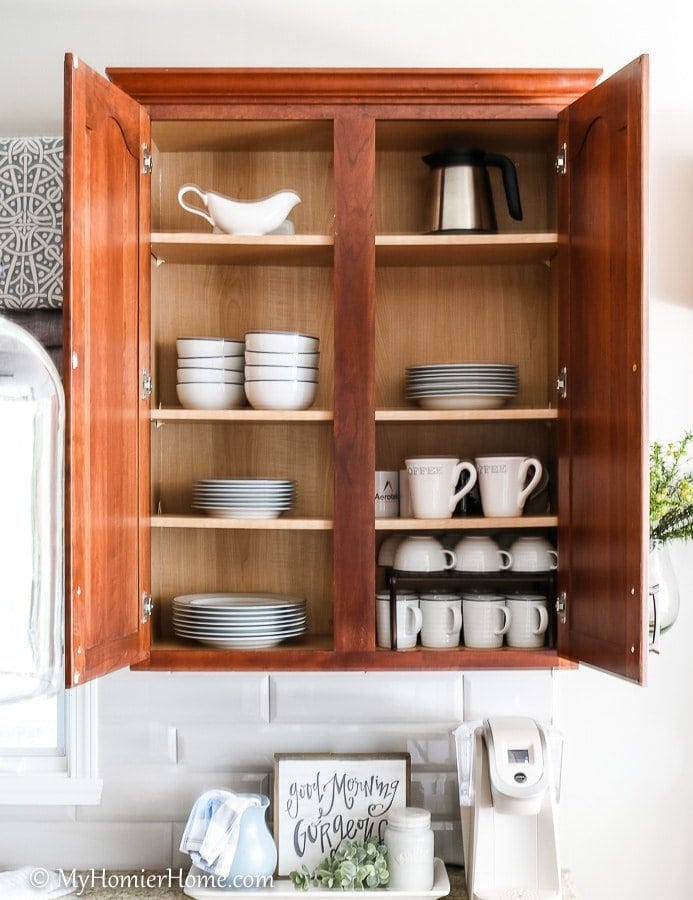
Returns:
(409,841)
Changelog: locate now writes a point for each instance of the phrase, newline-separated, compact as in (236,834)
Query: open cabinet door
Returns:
(107,346)
(603,451)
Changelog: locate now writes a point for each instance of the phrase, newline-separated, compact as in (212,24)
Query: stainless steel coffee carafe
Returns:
(460,198)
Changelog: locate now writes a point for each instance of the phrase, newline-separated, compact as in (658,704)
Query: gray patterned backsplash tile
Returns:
(31,223)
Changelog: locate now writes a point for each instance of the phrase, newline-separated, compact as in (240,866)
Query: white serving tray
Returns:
(284,888)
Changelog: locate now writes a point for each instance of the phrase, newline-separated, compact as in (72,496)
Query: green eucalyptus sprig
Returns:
(353,865)
(671,490)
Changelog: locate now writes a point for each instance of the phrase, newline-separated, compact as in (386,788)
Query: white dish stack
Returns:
(462,385)
(239,621)
(281,369)
(243,498)
(210,373)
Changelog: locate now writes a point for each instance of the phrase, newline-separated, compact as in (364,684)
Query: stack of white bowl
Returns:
(210,373)
(281,369)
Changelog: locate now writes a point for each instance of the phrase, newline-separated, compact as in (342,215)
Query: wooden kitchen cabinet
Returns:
(563,289)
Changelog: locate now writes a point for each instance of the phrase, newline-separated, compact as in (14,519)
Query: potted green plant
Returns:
(671,518)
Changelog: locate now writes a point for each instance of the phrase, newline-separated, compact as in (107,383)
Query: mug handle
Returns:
(415,613)
(553,553)
(456,619)
(464,466)
(506,560)
(193,188)
(506,621)
(543,620)
(527,464)
(452,559)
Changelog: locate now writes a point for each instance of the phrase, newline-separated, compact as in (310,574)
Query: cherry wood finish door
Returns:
(602,420)
(106,341)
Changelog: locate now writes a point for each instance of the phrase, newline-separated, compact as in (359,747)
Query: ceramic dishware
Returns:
(386,498)
(441,619)
(432,483)
(280,373)
(210,395)
(232,216)
(281,394)
(480,553)
(281,342)
(533,554)
(504,484)
(408,617)
(486,620)
(529,620)
(422,553)
(208,346)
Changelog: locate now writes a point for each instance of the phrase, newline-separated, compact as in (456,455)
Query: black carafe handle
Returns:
(512,190)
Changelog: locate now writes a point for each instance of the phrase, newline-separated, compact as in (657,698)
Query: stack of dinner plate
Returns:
(243,498)
(239,621)
(462,385)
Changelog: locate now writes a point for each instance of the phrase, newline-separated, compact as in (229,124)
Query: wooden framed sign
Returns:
(323,799)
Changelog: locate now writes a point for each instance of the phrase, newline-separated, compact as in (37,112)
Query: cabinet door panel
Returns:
(602,439)
(105,343)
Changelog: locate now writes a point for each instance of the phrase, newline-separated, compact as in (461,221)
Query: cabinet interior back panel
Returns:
(465,314)
(244,175)
(293,563)
(228,301)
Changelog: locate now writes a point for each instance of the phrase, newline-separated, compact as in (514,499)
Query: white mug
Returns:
(441,620)
(486,619)
(386,494)
(422,553)
(479,553)
(432,483)
(529,619)
(503,483)
(533,554)
(408,617)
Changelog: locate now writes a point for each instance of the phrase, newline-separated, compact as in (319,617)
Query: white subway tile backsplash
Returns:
(141,743)
(508,693)
(194,696)
(156,793)
(84,845)
(365,697)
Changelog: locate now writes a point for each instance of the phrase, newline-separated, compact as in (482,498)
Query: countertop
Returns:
(161,885)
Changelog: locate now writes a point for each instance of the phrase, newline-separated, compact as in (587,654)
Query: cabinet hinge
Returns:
(562,160)
(146,607)
(146,384)
(147,162)
(562,383)
(562,607)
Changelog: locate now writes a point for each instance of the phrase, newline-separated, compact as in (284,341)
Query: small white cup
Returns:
(386,494)
(486,619)
(441,620)
(408,615)
(533,554)
(405,510)
(422,553)
(432,483)
(529,619)
(503,483)
(479,553)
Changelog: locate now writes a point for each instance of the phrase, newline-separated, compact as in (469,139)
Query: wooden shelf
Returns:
(464,249)
(175,414)
(212,522)
(229,249)
(466,523)
(466,415)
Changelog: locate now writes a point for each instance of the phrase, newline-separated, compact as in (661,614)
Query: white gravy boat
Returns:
(241,216)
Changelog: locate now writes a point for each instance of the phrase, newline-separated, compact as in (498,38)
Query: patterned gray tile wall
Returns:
(31,223)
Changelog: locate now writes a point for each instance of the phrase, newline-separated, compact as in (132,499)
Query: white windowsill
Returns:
(77,782)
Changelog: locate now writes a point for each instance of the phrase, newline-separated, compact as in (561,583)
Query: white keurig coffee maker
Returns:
(509,778)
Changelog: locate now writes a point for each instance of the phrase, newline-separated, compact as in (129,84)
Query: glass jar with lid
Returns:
(409,841)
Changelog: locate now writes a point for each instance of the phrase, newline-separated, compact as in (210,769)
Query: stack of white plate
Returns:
(243,498)
(239,621)
(210,373)
(462,385)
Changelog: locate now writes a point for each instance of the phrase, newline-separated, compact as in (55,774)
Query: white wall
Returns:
(627,788)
